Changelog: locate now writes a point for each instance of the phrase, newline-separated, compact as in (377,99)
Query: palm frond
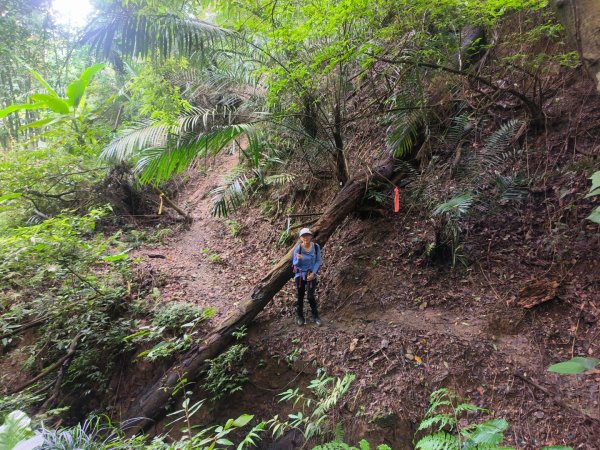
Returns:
(403,133)
(163,150)
(456,206)
(231,194)
(136,35)
(409,114)
(159,164)
(147,135)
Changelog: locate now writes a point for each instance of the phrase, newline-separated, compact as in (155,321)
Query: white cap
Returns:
(304,231)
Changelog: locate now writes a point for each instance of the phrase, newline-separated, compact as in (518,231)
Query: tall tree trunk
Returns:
(581,19)
(340,157)
(151,404)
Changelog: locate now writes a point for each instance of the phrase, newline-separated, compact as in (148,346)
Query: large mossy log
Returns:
(151,404)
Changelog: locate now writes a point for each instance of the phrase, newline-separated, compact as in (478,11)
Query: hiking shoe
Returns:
(317,321)
(300,321)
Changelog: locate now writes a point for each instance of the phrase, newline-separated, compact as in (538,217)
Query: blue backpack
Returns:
(298,250)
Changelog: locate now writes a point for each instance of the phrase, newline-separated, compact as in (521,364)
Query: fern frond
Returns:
(338,432)
(279,179)
(439,420)
(503,137)
(403,133)
(494,160)
(466,407)
(438,441)
(457,130)
(364,445)
(511,188)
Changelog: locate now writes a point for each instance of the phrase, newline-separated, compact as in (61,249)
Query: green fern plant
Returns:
(496,148)
(511,188)
(339,445)
(443,421)
(457,131)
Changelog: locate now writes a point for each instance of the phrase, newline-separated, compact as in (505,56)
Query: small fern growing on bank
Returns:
(362,445)
(443,418)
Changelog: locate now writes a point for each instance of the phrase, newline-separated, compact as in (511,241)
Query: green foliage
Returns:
(232,193)
(594,191)
(457,206)
(495,146)
(99,433)
(576,365)
(16,428)
(174,329)
(235,228)
(225,374)
(51,270)
(64,107)
(444,420)
(162,150)
(338,445)
(176,316)
(313,420)
(157,96)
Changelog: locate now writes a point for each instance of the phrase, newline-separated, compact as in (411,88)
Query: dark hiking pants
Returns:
(307,287)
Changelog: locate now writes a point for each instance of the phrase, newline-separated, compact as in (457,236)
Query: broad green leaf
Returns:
(117,257)
(38,123)
(43,83)
(13,108)
(75,91)
(88,74)
(574,366)
(242,420)
(595,189)
(224,442)
(16,428)
(595,215)
(56,104)
(6,197)
(489,433)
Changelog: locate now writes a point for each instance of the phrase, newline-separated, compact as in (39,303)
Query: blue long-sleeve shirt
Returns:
(311,260)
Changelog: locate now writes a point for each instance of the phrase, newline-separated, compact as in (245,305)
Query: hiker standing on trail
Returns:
(306,263)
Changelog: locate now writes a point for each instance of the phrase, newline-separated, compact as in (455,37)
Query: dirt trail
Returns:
(194,277)
(462,335)
(204,265)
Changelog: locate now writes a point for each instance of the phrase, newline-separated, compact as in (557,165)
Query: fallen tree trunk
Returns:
(151,404)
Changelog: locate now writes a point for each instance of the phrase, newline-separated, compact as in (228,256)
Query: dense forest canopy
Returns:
(109,120)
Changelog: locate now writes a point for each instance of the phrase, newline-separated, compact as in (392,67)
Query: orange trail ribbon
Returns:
(396,199)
